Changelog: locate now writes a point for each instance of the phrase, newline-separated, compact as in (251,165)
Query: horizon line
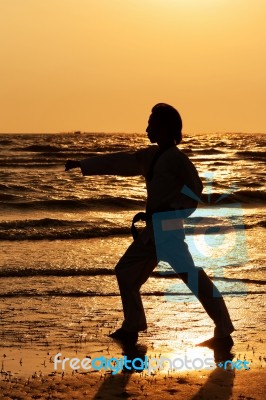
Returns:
(128,133)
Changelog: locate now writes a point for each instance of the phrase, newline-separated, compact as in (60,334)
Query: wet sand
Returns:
(219,384)
(28,371)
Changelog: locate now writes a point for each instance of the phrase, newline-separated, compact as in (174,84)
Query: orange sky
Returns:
(100,65)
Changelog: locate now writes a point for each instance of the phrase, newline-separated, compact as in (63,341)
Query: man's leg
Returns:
(211,300)
(172,248)
(200,284)
(133,269)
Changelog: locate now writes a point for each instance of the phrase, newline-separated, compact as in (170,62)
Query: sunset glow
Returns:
(95,65)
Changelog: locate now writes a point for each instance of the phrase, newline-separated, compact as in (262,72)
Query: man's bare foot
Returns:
(218,343)
(124,336)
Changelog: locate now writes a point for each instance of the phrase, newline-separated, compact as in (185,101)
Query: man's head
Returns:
(165,124)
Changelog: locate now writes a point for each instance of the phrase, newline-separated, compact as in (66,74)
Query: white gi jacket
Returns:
(171,172)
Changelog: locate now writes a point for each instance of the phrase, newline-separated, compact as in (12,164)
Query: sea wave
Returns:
(49,229)
(31,272)
(41,148)
(209,151)
(241,196)
(93,149)
(88,293)
(253,153)
(104,202)
(10,272)
(56,229)
(111,203)
(6,142)
(21,163)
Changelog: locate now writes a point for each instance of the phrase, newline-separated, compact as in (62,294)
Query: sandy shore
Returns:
(28,370)
(218,384)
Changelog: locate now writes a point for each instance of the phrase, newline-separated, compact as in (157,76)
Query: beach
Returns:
(220,385)
(61,236)
(28,369)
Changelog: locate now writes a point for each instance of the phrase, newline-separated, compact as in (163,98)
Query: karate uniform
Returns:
(171,171)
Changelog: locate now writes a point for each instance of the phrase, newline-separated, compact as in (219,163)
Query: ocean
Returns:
(61,234)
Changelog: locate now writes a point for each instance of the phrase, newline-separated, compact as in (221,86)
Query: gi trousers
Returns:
(137,264)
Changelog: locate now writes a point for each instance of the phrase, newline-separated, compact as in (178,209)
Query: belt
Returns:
(142,216)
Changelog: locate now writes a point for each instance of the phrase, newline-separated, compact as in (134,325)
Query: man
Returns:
(167,171)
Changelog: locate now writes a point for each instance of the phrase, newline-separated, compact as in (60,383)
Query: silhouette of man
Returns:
(166,170)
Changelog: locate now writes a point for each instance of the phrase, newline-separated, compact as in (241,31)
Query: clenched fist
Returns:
(70,164)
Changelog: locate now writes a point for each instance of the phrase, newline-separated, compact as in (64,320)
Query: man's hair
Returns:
(168,118)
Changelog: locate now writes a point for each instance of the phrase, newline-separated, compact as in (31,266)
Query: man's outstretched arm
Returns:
(122,163)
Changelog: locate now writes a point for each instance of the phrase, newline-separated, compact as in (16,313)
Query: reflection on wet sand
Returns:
(218,381)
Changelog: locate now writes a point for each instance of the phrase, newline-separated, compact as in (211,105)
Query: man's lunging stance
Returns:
(166,171)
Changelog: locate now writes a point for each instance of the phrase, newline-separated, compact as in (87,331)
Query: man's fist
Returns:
(70,164)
